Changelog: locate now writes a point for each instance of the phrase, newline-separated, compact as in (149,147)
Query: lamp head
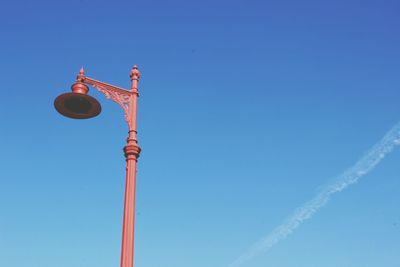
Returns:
(78,104)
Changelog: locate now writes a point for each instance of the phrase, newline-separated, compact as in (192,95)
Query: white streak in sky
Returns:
(305,212)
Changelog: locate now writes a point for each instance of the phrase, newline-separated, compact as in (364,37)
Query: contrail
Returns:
(350,176)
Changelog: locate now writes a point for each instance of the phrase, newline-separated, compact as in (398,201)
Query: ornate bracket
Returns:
(121,98)
(119,95)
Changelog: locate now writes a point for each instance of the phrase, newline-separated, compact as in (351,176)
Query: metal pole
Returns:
(132,151)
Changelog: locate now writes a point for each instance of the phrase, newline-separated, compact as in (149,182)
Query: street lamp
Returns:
(79,105)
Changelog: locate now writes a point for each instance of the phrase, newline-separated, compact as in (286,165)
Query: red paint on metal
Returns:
(127,99)
(132,151)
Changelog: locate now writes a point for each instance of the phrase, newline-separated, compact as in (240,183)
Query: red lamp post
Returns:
(79,105)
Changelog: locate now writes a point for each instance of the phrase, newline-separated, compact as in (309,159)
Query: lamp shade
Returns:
(77,105)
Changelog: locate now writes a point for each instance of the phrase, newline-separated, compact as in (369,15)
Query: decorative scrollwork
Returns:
(121,97)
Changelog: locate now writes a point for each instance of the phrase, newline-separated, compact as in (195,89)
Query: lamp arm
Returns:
(119,95)
(104,85)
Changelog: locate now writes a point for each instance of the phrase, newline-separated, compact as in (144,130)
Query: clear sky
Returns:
(246,109)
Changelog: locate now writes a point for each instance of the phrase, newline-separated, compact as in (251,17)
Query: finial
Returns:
(135,74)
(81,75)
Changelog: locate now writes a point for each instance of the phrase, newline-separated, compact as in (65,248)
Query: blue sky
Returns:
(246,109)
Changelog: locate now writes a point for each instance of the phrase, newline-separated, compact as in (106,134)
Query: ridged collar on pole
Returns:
(135,76)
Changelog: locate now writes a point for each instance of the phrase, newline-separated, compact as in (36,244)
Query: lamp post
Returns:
(79,105)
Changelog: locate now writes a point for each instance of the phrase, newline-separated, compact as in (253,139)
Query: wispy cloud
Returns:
(350,176)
